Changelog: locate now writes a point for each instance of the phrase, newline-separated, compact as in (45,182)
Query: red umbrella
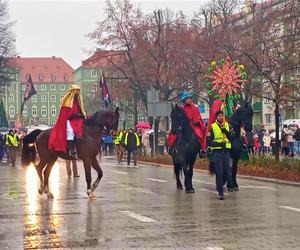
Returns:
(143,125)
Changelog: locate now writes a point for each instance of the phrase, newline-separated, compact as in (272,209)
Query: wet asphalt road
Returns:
(140,208)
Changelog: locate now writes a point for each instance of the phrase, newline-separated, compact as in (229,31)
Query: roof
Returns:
(43,69)
(101,59)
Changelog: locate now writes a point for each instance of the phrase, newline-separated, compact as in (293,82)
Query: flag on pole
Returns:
(104,90)
(30,91)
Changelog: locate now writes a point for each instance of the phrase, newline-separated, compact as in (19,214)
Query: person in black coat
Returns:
(131,142)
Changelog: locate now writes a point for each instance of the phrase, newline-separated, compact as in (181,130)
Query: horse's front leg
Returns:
(88,177)
(189,178)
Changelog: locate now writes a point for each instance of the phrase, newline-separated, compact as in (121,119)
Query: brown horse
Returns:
(87,150)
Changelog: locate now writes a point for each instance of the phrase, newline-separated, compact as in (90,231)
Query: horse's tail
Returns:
(28,154)
(211,168)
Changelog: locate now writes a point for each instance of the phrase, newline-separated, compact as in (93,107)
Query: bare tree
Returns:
(7,46)
(272,48)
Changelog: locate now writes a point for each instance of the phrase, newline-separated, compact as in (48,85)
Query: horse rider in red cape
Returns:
(193,114)
(68,129)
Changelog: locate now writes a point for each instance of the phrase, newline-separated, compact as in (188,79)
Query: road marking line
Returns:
(206,182)
(157,180)
(248,186)
(138,217)
(119,172)
(260,187)
(214,248)
(207,190)
(291,208)
(141,190)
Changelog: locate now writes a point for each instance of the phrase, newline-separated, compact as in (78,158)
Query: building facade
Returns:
(51,77)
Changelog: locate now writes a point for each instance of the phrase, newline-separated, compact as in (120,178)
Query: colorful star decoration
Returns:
(226,79)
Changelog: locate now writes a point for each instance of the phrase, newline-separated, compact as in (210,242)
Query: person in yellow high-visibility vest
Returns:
(219,141)
(131,142)
(12,142)
(118,141)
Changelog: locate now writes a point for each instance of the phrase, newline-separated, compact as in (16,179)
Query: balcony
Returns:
(257,106)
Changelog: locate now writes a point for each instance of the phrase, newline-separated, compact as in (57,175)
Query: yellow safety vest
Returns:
(118,138)
(13,140)
(138,143)
(219,136)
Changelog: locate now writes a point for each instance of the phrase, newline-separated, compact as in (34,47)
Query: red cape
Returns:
(193,114)
(58,135)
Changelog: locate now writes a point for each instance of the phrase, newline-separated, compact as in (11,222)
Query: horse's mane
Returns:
(186,120)
(91,121)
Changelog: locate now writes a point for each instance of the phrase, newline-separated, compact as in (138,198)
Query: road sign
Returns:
(159,109)
(152,96)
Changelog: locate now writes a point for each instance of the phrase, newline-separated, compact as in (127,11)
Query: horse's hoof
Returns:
(190,191)
(41,191)
(179,187)
(236,189)
(91,194)
(50,196)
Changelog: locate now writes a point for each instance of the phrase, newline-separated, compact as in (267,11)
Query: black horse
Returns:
(187,148)
(87,150)
(242,117)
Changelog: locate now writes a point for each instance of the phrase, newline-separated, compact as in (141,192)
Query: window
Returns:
(11,98)
(12,111)
(44,111)
(34,111)
(11,88)
(268,95)
(23,87)
(130,118)
(140,118)
(25,111)
(53,111)
(41,77)
(33,98)
(53,98)
(62,87)
(52,87)
(94,73)
(43,98)
(43,87)
(140,104)
(268,118)
(61,97)
(94,87)
(66,77)
(52,122)
(53,77)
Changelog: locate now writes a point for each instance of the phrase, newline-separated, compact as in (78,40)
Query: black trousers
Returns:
(134,152)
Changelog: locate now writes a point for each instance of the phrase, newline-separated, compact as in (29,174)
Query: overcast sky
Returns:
(58,28)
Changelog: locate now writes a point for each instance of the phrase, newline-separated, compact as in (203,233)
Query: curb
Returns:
(257,178)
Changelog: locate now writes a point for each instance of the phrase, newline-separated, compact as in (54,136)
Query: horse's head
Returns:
(178,119)
(111,120)
(244,115)
(106,119)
